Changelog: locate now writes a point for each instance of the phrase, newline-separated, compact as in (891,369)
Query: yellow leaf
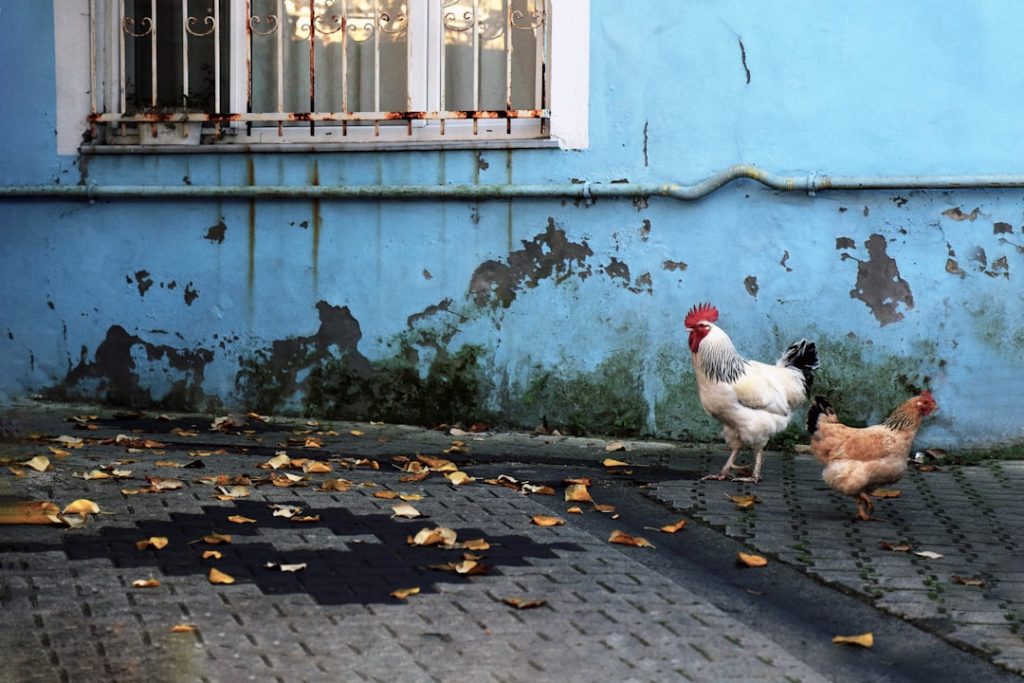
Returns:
(340,485)
(156,542)
(978,582)
(436,536)
(436,464)
(184,432)
(355,432)
(475,544)
(240,519)
(81,506)
(864,640)
(459,478)
(524,603)
(745,502)
(40,463)
(403,593)
(577,493)
(623,538)
(469,567)
(29,512)
(212,555)
(615,446)
(609,462)
(545,520)
(895,547)
(217,539)
(58,452)
(575,510)
(232,492)
(305,518)
(316,467)
(145,583)
(672,528)
(405,510)
(313,442)
(409,497)
(95,474)
(749,560)
(286,511)
(280,460)
(183,628)
(386,495)
(886,493)
(219,577)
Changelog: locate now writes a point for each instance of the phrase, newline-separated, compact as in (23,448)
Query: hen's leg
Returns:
(726,470)
(864,507)
(756,477)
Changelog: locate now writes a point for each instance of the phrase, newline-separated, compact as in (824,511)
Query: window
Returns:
(345,72)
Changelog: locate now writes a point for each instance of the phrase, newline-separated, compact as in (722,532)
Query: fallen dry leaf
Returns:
(241,519)
(575,510)
(459,478)
(457,447)
(93,474)
(317,467)
(863,640)
(615,446)
(403,593)
(182,628)
(894,547)
(279,460)
(146,583)
(465,567)
(386,495)
(298,567)
(232,492)
(745,502)
(538,489)
(976,581)
(340,485)
(475,544)
(929,554)
(304,518)
(524,603)
(546,520)
(409,497)
(184,432)
(70,441)
(212,554)
(286,511)
(749,560)
(313,442)
(435,464)
(355,432)
(578,493)
(40,463)
(164,484)
(623,538)
(58,452)
(155,542)
(886,493)
(219,577)
(436,536)
(82,506)
(672,528)
(405,510)
(29,512)
(609,462)
(217,539)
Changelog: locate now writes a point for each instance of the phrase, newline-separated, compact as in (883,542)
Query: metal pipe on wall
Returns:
(585,191)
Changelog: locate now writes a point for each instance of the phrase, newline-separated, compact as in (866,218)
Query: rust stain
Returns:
(250,173)
(674,265)
(957,215)
(845,243)
(315,180)
(750,284)
(1002,229)
(215,233)
(191,294)
(143,281)
(785,261)
(879,284)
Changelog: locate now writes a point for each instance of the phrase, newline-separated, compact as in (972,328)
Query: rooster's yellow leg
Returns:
(726,472)
(756,477)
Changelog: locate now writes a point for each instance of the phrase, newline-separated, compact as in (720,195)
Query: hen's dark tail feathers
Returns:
(802,355)
(820,407)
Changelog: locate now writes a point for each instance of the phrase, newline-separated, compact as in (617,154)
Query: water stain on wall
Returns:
(112,374)
(879,284)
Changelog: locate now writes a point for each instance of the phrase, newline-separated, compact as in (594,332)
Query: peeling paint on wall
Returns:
(215,233)
(143,281)
(1002,229)
(957,214)
(548,255)
(191,294)
(750,284)
(879,284)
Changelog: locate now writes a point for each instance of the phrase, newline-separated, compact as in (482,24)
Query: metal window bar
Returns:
(130,27)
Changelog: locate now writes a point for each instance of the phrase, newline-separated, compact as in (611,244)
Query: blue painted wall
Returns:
(513,310)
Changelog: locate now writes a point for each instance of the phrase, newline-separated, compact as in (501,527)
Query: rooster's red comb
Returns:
(927,395)
(701,313)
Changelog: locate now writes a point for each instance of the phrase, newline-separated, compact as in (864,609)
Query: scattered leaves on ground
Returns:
(182,628)
(969,581)
(674,527)
(458,478)
(745,501)
(241,519)
(297,567)
(610,462)
(929,554)
(40,463)
(212,554)
(82,506)
(622,538)
(437,536)
(896,547)
(863,640)
(575,510)
(578,493)
(750,560)
(217,539)
(403,593)
(146,583)
(615,446)
(29,512)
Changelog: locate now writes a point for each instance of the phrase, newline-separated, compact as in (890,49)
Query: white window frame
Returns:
(568,104)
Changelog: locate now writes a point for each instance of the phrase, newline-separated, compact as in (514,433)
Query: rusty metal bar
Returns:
(152,55)
(508,63)
(274,117)
(216,56)
(583,191)
(184,50)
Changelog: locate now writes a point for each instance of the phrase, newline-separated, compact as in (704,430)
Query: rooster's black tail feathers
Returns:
(820,407)
(802,355)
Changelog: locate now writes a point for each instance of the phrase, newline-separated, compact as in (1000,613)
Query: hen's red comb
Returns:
(701,313)
(927,395)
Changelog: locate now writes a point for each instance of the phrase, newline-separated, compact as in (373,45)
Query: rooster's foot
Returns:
(747,480)
(714,477)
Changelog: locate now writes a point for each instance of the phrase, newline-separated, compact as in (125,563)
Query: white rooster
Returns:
(752,400)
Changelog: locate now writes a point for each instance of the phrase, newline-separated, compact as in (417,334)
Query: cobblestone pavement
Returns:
(69,611)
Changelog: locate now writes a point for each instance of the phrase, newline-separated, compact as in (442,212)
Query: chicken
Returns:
(752,400)
(859,460)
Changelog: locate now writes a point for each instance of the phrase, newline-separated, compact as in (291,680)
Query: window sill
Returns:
(318,148)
